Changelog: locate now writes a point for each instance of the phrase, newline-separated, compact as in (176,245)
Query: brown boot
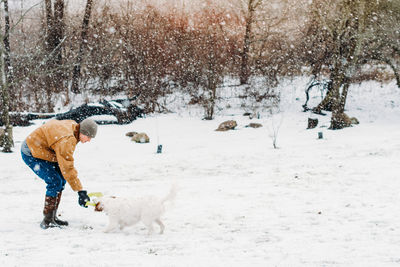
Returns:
(57,220)
(49,212)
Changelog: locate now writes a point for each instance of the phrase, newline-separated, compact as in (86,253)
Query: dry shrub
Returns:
(147,53)
(375,74)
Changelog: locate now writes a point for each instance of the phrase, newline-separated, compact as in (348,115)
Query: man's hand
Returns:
(83,198)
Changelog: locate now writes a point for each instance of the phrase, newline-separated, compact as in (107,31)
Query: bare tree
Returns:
(212,39)
(384,45)
(345,31)
(263,36)
(54,81)
(247,39)
(7,59)
(275,125)
(84,33)
(4,80)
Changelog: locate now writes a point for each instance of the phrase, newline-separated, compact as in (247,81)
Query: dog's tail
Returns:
(172,194)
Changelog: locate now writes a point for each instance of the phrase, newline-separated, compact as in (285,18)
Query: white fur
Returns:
(124,212)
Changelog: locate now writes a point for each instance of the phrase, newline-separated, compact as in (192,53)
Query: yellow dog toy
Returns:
(94,194)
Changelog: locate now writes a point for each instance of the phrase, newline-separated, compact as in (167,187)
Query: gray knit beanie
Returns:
(88,127)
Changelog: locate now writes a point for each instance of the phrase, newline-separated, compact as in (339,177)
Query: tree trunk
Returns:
(244,66)
(49,17)
(49,45)
(339,119)
(54,37)
(343,96)
(395,71)
(58,33)
(327,102)
(212,94)
(7,49)
(4,68)
(77,68)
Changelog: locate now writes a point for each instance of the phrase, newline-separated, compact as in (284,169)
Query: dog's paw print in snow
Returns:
(86,227)
(152,251)
(267,237)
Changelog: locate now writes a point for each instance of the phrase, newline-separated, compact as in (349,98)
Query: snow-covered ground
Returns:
(311,202)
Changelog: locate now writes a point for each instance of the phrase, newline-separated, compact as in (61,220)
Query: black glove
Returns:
(83,198)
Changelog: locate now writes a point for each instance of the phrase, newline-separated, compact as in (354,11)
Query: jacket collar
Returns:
(76,132)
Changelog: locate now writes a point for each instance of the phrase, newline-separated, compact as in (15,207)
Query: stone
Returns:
(140,138)
(312,123)
(227,125)
(254,125)
(130,134)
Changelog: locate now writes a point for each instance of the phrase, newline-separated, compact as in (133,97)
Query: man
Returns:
(48,151)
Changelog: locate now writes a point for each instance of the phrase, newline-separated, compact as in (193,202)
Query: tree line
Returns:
(140,50)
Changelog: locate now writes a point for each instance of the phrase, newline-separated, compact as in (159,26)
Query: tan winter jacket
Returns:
(55,141)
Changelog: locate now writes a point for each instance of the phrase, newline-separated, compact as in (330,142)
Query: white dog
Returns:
(129,211)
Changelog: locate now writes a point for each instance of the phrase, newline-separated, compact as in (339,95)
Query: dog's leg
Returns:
(149,226)
(162,227)
(112,225)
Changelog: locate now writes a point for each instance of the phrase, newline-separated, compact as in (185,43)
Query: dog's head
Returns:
(99,207)
(100,204)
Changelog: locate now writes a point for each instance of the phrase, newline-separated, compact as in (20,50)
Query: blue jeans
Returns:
(48,171)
